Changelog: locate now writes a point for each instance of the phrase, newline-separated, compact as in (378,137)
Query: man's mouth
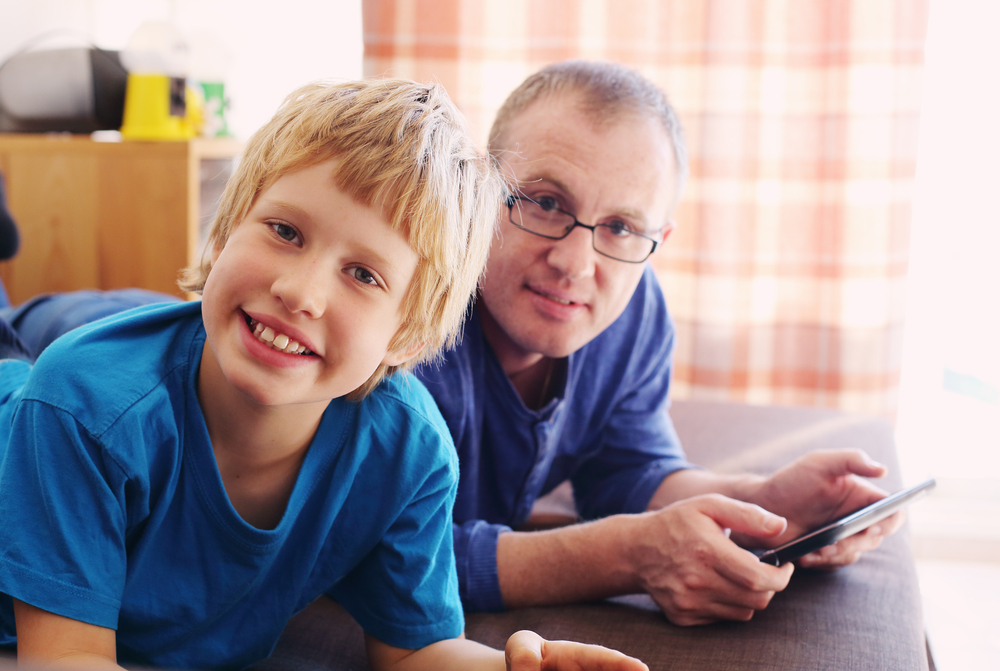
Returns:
(561,301)
(274,340)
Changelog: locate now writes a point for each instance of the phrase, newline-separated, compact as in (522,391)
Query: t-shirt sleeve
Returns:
(405,592)
(62,518)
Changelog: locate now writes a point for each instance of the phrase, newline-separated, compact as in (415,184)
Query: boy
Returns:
(181,479)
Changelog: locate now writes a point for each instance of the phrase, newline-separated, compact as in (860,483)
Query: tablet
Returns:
(846,526)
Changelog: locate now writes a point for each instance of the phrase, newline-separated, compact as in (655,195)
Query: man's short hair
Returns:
(605,91)
(401,147)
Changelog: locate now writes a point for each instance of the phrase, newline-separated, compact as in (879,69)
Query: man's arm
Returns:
(679,551)
(47,640)
(525,651)
(681,555)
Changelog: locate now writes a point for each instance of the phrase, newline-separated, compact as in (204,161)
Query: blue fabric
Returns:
(607,430)
(113,511)
(40,320)
(11,345)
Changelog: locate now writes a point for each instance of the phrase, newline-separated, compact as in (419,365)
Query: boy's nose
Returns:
(303,288)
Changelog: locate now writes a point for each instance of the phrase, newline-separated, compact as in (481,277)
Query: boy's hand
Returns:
(527,651)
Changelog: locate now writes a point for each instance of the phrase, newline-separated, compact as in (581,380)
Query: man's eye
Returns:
(284,231)
(618,228)
(547,203)
(363,276)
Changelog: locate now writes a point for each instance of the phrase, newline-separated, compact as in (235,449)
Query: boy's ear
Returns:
(216,250)
(399,357)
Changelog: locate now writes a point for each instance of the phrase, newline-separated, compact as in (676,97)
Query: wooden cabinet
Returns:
(108,215)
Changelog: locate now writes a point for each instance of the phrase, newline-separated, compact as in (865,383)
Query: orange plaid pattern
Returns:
(787,271)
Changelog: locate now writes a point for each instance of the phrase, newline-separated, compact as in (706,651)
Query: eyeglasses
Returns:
(546,219)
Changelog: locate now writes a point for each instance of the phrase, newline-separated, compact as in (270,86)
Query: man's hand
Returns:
(819,488)
(687,563)
(681,555)
(527,651)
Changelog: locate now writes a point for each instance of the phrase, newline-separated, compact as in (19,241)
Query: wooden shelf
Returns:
(105,215)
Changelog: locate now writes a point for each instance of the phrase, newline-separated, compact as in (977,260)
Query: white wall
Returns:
(276,46)
(953,292)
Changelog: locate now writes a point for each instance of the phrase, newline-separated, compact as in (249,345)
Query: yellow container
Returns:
(158,107)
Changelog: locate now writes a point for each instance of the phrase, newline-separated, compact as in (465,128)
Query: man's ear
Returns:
(398,358)
(667,230)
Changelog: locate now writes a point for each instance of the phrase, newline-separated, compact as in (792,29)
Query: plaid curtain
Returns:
(787,271)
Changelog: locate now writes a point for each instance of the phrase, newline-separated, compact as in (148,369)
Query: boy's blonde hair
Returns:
(401,147)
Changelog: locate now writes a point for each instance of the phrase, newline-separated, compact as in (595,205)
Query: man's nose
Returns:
(574,256)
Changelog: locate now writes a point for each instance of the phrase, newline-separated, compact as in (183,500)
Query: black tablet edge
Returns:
(848,525)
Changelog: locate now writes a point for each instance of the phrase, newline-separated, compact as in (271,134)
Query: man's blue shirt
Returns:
(607,431)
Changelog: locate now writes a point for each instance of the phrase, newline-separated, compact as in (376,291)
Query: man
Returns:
(563,373)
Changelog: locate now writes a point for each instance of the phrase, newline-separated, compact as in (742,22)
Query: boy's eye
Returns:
(363,276)
(284,231)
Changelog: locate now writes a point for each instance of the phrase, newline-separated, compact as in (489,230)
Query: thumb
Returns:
(859,463)
(524,651)
(742,517)
(837,463)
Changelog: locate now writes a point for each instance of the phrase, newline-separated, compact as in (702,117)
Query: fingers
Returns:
(755,576)
(739,516)
(841,554)
(527,651)
(849,462)
(710,596)
(702,576)
(524,651)
(849,550)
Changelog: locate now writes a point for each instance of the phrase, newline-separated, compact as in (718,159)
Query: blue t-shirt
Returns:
(607,431)
(113,511)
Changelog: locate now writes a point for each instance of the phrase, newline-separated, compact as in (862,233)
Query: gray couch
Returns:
(864,617)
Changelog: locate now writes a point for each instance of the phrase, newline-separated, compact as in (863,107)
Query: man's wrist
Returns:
(684,484)
(581,562)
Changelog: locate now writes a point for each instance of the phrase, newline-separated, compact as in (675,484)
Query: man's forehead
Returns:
(624,166)
(557,129)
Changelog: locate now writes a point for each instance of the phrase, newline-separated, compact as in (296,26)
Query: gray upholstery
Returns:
(866,616)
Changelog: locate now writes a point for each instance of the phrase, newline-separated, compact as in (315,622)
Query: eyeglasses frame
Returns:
(511,199)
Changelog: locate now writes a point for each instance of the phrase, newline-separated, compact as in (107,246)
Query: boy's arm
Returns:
(526,651)
(47,640)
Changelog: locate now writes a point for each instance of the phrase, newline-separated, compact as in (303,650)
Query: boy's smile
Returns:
(305,296)
(276,341)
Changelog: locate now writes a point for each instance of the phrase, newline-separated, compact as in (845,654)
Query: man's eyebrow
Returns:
(627,212)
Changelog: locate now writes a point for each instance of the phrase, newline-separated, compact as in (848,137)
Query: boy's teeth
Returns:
(278,341)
